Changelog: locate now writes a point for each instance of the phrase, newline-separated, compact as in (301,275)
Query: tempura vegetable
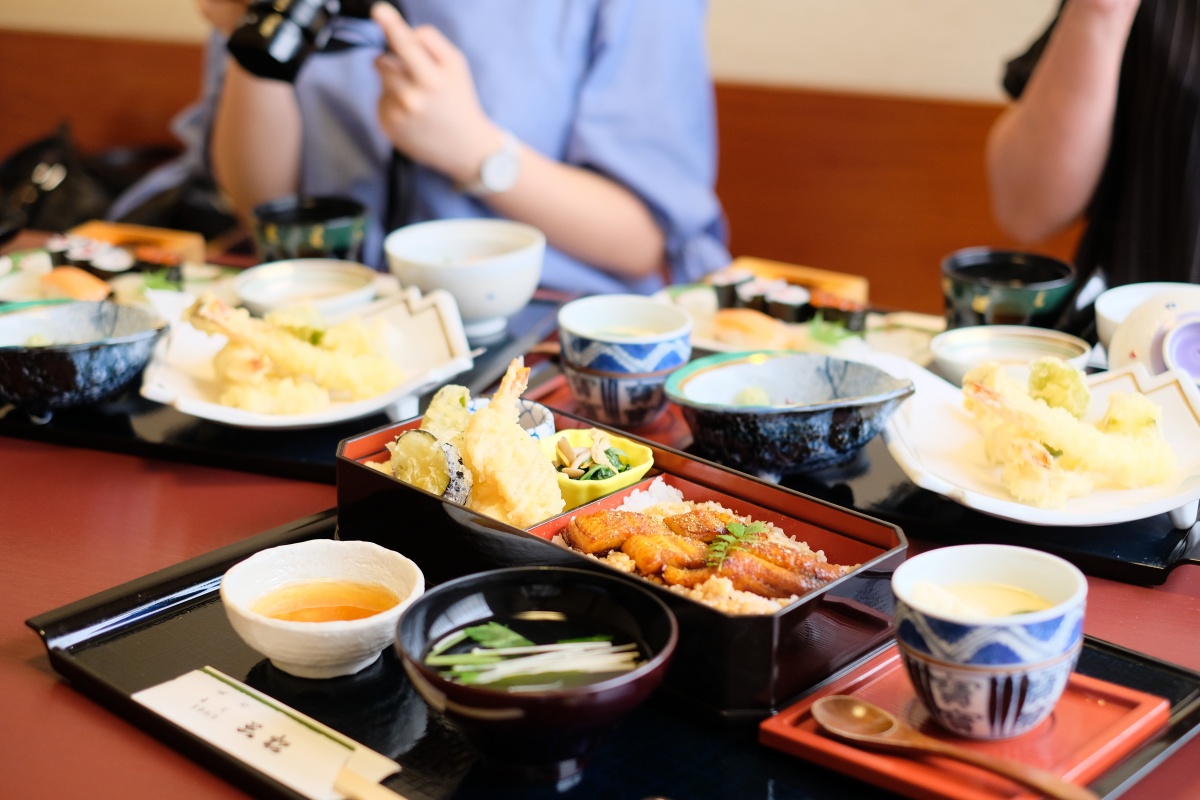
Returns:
(1048,455)
(1059,385)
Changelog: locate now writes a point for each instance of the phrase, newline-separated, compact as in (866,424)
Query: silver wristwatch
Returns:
(499,171)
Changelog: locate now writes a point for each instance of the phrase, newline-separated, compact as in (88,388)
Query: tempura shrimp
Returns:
(514,480)
(357,375)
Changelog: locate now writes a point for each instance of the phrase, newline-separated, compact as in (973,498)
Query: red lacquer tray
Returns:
(1094,726)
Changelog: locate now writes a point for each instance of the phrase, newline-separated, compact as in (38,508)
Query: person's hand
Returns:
(224,15)
(428,106)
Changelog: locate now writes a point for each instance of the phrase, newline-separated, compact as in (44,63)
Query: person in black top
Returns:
(1106,125)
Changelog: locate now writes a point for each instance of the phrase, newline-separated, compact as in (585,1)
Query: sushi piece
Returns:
(833,308)
(725,283)
(753,294)
(74,283)
(80,252)
(789,303)
(110,261)
(56,246)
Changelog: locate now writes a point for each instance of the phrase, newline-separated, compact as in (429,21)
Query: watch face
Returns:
(500,170)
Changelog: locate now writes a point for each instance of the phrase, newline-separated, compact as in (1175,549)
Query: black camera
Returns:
(276,36)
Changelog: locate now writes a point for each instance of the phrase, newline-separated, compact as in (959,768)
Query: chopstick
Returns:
(354,786)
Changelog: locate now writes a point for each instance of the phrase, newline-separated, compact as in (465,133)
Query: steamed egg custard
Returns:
(976,599)
(325,601)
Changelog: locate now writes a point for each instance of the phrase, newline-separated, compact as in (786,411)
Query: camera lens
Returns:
(274,38)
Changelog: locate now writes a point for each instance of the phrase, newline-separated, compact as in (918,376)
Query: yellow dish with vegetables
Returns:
(592,463)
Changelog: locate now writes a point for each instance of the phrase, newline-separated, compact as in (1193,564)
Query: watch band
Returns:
(499,171)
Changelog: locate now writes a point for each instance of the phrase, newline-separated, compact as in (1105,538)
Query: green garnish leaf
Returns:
(493,634)
(1052,450)
(597,472)
(828,332)
(738,535)
(618,457)
(167,279)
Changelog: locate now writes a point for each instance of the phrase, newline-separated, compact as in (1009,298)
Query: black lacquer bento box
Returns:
(738,666)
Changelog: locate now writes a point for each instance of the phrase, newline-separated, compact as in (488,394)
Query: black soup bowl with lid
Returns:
(537,726)
(985,286)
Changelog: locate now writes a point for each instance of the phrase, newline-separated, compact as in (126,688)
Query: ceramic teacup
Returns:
(982,286)
(319,649)
(310,227)
(617,351)
(980,675)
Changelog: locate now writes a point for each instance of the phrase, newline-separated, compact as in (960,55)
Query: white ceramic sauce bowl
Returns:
(331,286)
(956,352)
(319,649)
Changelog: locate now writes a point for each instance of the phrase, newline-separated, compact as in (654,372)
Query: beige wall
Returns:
(927,48)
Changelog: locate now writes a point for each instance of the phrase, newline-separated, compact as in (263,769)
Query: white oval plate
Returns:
(936,443)
(428,343)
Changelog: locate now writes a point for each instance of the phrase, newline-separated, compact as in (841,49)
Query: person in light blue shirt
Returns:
(595,117)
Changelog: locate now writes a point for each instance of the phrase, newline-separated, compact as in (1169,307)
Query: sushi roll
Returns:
(80,251)
(725,283)
(833,308)
(753,293)
(56,246)
(789,303)
(110,261)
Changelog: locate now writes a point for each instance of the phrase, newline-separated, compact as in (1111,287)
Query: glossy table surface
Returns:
(76,521)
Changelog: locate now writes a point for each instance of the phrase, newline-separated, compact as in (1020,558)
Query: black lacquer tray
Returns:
(170,622)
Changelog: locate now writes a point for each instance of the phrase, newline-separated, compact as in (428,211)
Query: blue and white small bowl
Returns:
(987,677)
(533,417)
(617,351)
(624,334)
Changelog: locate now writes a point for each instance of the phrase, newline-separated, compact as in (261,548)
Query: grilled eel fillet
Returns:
(753,570)
(608,530)
(651,553)
(702,523)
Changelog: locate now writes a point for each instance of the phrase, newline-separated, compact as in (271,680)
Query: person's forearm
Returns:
(585,215)
(256,137)
(1046,152)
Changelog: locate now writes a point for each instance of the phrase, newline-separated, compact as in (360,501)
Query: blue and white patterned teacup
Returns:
(983,676)
(617,351)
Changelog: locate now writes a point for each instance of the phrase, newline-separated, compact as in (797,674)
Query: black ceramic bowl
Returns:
(543,734)
(60,356)
(310,227)
(982,286)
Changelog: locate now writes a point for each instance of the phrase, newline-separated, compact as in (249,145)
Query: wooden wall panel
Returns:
(112,91)
(877,186)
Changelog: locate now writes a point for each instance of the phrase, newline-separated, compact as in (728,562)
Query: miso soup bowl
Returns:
(990,677)
(319,649)
(544,734)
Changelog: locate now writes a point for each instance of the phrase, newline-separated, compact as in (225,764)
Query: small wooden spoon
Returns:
(861,722)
